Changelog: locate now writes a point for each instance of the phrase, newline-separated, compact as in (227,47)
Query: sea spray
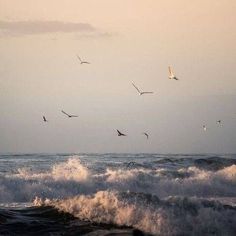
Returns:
(70,178)
(170,216)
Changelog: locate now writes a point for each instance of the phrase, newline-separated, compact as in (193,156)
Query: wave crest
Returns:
(70,170)
(70,178)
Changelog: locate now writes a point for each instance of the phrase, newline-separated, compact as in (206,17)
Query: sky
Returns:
(125,41)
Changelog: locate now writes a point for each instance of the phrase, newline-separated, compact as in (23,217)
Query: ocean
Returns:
(117,194)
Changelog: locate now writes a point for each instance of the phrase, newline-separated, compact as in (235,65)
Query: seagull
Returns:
(69,116)
(44,119)
(120,134)
(171,74)
(140,93)
(82,62)
(219,122)
(204,128)
(146,135)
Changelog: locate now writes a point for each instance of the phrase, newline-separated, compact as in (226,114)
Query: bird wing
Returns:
(147,92)
(65,113)
(44,118)
(79,58)
(85,62)
(119,132)
(136,87)
(146,135)
(175,78)
(73,116)
(170,71)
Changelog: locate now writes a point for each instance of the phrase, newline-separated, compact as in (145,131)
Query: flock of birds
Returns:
(68,115)
(119,133)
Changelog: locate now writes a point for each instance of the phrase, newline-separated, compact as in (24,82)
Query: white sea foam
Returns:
(121,175)
(70,170)
(172,216)
(71,178)
(160,199)
(228,173)
(163,182)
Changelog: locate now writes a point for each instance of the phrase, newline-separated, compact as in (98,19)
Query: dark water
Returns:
(46,220)
(117,194)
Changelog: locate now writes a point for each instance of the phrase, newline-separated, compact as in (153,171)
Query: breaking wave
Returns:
(171,216)
(72,170)
(106,194)
(71,178)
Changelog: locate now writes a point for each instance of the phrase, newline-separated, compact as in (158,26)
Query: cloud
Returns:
(92,35)
(17,28)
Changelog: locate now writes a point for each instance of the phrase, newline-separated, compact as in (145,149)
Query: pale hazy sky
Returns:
(125,41)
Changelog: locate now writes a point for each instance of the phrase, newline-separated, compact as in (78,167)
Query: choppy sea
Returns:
(117,194)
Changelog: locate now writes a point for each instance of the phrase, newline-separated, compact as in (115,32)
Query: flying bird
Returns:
(219,122)
(81,61)
(140,92)
(120,134)
(171,74)
(44,119)
(204,128)
(69,116)
(146,135)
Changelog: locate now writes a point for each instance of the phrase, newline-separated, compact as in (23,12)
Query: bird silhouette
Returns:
(120,134)
(140,92)
(69,116)
(81,61)
(146,135)
(44,119)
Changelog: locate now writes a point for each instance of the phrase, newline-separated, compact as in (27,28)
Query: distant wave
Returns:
(209,163)
(172,216)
